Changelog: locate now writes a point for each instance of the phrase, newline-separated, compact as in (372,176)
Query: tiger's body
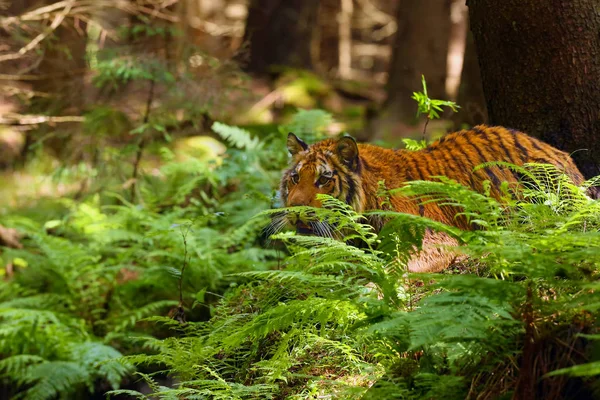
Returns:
(351,172)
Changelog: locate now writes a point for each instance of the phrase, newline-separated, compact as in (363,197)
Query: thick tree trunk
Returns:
(540,66)
(279,33)
(420,48)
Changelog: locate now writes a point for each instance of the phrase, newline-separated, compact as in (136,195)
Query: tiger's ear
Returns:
(347,149)
(295,145)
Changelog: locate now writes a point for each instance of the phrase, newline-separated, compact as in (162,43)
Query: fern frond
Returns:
(237,137)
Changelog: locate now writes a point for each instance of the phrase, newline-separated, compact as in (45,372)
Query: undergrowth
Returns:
(108,294)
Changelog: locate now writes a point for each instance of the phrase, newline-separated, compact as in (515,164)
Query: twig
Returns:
(78,10)
(31,77)
(86,6)
(267,101)
(13,90)
(185,259)
(425,127)
(20,119)
(58,19)
(142,142)
(235,29)
(178,312)
(42,13)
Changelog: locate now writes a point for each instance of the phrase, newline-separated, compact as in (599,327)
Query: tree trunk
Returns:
(345,44)
(459,16)
(329,36)
(540,66)
(470,97)
(279,33)
(420,48)
(63,68)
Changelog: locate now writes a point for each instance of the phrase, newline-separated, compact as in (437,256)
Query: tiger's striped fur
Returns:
(351,172)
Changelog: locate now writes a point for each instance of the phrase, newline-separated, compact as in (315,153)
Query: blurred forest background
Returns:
(78,75)
(141,146)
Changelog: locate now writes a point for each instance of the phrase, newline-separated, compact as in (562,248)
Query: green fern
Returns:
(310,125)
(237,137)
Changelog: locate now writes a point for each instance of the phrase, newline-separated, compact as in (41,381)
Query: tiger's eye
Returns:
(294,178)
(324,180)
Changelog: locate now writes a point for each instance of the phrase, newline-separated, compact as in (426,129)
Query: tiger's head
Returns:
(328,167)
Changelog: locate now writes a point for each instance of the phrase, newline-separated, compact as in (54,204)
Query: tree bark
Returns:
(420,48)
(540,67)
(470,97)
(279,33)
(459,26)
(329,36)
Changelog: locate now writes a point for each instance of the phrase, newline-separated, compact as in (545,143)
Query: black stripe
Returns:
(493,141)
(469,168)
(453,163)
(351,190)
(446,165)
(460,148)
(477,130)
(504,148)
(450,138)
(425,165)
(338,185)
(472,183)
(495,180)
(413,168)
(537,147)
(493,177)
(522,149)
(481,156)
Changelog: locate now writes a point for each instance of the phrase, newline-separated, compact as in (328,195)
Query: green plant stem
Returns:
(425,127)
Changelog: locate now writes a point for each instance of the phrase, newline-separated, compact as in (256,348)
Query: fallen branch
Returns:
(20,119)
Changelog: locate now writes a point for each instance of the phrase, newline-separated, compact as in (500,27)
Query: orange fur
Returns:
(351,172)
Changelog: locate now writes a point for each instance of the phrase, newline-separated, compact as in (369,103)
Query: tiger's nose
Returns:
(298,201)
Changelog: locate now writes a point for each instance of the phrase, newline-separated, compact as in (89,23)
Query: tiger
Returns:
(351,172)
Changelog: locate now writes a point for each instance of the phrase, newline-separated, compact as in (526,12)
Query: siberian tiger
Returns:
(351,172)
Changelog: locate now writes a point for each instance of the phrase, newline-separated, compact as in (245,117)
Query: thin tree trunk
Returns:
(420,48)
(279,33)
(470,97)
(328,36)
(456,46)
(540,66)
(345,43)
